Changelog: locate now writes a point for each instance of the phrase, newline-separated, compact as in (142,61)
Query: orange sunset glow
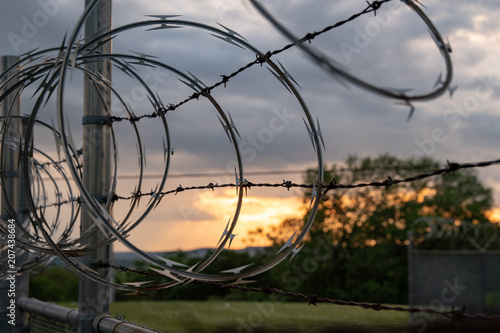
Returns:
(493,215)
(219,206)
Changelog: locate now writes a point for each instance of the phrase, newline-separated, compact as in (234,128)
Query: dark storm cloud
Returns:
(400,55)
(30,24)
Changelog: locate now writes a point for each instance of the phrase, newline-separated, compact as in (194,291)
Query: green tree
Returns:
(363,217)
(54,284)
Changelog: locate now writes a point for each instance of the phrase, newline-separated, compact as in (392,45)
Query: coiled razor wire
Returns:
(338,72)
(48,73)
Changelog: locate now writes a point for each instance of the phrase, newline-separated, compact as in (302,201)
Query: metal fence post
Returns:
(23,280)
(94,298)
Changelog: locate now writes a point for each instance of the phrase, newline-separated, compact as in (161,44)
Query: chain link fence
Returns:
(51,318)
(468,280)
(455,264)
(38,323)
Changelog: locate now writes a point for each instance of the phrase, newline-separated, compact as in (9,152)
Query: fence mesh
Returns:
(41,324)
(468,280)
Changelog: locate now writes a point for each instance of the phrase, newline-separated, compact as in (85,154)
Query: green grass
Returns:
(260,317)
(236,316)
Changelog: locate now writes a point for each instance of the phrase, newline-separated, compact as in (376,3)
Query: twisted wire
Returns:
(332,185)
(455,315)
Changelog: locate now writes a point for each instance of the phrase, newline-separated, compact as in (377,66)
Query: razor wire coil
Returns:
(46,239)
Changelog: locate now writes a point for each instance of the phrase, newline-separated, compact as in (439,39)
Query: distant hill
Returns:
(128,258)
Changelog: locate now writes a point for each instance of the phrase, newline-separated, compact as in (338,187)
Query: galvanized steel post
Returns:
(23,280)
(93,297)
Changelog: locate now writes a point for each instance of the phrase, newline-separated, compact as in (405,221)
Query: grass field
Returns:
(236,316)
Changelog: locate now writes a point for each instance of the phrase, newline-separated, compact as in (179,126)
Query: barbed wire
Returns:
(451,168)
(332,185)
(79,152)
(454,315)
(60,203)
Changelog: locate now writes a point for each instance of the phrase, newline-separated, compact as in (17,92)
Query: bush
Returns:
(54,284)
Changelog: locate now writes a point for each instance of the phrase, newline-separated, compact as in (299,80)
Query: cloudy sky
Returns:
(392,49)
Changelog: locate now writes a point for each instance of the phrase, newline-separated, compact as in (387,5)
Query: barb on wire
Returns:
(314,299)
(79,152)
(332,185)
